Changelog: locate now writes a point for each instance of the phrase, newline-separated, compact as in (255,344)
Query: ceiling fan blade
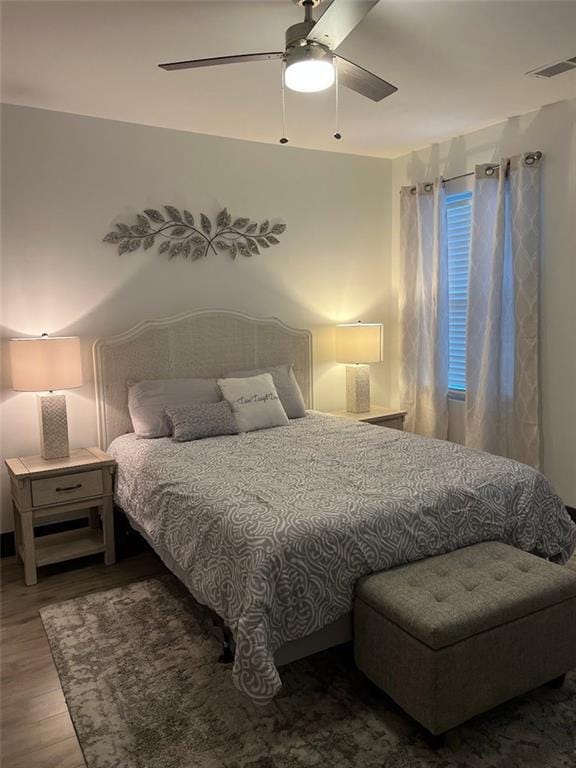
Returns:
(241,59)
(338,20)
(360,80)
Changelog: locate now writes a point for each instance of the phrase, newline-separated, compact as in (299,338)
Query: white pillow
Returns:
(255,402)
(149,399)
(286,385)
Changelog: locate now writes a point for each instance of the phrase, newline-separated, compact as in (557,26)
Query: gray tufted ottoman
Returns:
(454,635)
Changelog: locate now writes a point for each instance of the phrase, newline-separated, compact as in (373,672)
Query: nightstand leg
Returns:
(17,532)
(28,548)
(94,518)
(108,531)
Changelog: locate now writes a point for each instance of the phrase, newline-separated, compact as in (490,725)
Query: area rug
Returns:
(139,668)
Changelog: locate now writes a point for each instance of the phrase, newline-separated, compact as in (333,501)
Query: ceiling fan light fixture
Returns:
(310,64)
(309,69)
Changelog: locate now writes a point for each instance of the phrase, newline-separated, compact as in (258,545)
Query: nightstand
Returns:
(385,417)
(48,491)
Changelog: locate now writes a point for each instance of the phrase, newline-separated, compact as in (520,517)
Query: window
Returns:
(459,222)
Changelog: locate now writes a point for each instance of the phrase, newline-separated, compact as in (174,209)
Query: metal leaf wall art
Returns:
(179,234)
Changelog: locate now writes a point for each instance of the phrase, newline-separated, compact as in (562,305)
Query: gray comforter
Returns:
(272,529)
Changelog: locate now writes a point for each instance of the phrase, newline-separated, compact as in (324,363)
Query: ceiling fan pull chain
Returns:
(283,140)
(337,134)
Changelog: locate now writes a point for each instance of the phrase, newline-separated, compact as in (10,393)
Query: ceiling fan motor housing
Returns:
(299,48)
(297,33)
(307,51)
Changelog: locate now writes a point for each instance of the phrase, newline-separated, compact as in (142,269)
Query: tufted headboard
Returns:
(202,343)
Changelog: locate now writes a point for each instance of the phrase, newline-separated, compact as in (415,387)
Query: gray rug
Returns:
(139,669)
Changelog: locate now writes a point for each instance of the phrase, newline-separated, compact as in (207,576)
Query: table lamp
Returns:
(47,364)
(357,345)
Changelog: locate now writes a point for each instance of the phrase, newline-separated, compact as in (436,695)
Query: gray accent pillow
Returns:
(148,401)
(286,385)
(195,422)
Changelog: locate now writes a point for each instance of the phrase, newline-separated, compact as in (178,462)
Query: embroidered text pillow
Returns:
(254,401)
(286,385)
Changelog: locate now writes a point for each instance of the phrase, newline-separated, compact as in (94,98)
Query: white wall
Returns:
(66,179)
(553,131)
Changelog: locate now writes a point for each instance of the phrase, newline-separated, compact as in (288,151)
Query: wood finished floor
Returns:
(36,730)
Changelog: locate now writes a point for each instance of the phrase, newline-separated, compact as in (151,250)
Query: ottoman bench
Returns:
(451,636)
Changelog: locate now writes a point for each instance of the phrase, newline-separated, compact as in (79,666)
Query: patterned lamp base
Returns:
(53,426)
(357,388)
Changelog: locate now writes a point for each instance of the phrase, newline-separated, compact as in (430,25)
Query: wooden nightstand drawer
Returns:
(60,489)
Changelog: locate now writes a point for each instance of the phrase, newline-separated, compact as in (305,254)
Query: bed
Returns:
(271,529)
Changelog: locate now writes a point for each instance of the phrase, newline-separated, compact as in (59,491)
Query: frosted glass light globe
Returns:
(309,75)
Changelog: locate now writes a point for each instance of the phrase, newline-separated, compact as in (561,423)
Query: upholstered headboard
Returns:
(203,343)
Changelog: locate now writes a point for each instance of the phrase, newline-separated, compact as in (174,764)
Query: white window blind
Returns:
(459,222)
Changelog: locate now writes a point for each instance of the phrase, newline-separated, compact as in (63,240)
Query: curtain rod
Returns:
(460,176)
(530,157)
(490,168)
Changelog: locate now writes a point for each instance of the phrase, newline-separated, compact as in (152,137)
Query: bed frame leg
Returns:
(228,646)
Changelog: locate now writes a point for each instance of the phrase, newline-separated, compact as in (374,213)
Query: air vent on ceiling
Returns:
(551,70)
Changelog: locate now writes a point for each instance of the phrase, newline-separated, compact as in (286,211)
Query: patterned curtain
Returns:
(424,309)
(502,408)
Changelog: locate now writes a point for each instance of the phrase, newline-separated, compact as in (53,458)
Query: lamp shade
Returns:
(359,343)
(45,364)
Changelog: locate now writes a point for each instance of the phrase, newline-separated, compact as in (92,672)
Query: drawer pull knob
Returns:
(69,487)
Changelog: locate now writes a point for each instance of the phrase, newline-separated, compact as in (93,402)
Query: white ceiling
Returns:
(459,65)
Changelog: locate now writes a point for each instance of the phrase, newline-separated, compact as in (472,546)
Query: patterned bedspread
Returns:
(273,528)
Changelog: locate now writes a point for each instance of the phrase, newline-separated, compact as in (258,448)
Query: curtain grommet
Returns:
(531,158)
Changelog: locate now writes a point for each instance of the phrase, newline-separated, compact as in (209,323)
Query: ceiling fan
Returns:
(310,61)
